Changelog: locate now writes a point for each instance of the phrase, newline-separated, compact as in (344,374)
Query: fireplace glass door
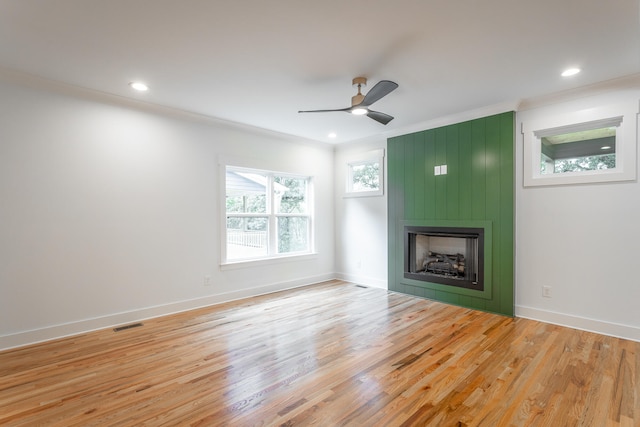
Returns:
(447,255)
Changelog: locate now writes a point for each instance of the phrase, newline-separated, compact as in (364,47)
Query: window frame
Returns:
(613,122)
(536,128)
(271,216)
(376,156)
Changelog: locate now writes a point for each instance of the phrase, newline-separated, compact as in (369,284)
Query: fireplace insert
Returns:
(451,256)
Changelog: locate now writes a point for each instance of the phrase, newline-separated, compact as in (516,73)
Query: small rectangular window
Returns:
(588,149)
(267,214)
(600,150)
(364,176)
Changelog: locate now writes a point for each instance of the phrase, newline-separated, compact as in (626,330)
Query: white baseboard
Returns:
(87,325)
(591,325)
(362,280)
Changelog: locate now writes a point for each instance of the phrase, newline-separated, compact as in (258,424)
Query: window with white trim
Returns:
(582,147)
(268,214)
(561,150)
(365,174)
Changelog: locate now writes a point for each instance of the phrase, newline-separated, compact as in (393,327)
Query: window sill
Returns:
(582,177)
(377,193)
(249,263)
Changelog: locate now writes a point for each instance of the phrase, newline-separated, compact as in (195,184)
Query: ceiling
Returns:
(257,62)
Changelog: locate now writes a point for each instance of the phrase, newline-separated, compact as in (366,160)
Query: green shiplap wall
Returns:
(478,189)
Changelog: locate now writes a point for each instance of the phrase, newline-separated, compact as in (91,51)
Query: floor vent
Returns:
(122,328)
(362,286)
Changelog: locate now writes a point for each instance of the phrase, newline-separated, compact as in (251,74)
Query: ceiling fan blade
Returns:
(324,111)
(380,117)
(381,89)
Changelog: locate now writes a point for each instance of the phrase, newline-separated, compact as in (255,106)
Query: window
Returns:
(584,147)
(599,150)
(364,175)
(267,214)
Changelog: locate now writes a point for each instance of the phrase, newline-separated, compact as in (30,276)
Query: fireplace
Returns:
(451,256)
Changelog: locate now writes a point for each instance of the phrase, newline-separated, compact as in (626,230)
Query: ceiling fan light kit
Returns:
(360,102)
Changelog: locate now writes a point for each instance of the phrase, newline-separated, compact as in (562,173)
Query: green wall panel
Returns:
(478,186)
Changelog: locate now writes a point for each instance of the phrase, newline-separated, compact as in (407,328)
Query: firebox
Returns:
(451,256)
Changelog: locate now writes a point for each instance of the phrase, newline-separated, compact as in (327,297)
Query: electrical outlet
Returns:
(546,291)
(207,280)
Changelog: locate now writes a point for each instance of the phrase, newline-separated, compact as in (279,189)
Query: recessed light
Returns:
(570,72)
(332,135)
(605,147)
(139,86)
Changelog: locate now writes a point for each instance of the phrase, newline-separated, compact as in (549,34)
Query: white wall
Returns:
(109,213)
(109,210)
(361,223)
(582,240)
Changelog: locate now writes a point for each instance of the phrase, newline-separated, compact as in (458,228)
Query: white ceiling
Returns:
(258,62)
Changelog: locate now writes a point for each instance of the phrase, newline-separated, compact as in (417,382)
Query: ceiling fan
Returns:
(360,103)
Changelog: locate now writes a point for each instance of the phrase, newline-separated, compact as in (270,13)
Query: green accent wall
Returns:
(478,190)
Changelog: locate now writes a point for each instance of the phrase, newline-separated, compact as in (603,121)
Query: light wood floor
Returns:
(326,355)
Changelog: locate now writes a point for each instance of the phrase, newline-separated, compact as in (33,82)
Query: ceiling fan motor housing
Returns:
(359,81)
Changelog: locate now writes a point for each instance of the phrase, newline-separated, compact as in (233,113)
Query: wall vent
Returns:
(122,328)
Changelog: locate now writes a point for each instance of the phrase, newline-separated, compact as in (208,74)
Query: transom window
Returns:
(580,152)
(578,148)
(267,214)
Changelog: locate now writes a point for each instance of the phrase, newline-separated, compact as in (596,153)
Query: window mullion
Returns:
(272,217)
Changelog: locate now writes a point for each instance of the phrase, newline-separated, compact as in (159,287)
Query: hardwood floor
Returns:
(327,355)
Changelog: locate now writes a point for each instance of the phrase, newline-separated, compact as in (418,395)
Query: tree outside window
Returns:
(364,176)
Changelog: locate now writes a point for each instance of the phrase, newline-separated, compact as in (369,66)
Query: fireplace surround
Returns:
(476,192)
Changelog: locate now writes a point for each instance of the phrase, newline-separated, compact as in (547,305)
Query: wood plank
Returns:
(507,206)
(419,193)
(478,169)
(395,204)
(464,170)
(493,203)
(453,172)
(328,354)
(429,138)
(410,184)
(440,197)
